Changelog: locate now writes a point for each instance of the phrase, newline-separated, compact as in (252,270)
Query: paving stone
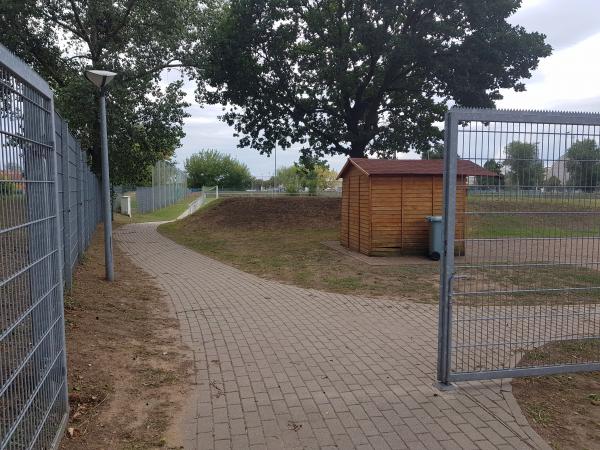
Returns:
(353,372)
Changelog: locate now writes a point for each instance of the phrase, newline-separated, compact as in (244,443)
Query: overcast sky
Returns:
(567,80)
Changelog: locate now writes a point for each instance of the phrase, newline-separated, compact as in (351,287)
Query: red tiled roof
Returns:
(413,167)
(11,174)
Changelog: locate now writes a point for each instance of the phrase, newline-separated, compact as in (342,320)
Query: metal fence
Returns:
(35,182)
(520,285)
(79,198)
(169,185)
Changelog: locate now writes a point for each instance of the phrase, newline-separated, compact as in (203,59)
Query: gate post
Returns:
(80,200)
(66,199)
(447,261)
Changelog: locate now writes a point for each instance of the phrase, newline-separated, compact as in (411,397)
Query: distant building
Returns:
(13,176)
(559,170)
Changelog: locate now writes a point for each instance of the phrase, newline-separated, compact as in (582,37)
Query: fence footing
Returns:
(443,387)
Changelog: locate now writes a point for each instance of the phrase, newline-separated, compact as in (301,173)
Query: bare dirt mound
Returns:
(269,214)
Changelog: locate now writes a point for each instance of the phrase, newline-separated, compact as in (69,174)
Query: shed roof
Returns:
(392,167)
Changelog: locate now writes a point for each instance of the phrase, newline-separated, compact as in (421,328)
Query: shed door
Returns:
(417,203)
(386,213)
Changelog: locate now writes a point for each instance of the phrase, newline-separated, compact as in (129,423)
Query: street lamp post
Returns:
(275,173)
(100,78)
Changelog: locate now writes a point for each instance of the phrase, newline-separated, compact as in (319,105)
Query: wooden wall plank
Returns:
(387,214)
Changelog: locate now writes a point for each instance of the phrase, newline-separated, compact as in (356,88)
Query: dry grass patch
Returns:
(282,239)
(536,222)
(128,371)
(563,409)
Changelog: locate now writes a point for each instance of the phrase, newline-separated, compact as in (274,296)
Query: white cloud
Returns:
(200,120)
(564,22)
(567,77)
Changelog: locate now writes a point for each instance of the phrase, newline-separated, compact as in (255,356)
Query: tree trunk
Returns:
(357,150)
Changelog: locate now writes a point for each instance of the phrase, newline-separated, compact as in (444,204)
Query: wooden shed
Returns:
(385,202)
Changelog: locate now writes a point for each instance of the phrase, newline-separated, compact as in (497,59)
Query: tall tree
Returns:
(138,39)
(290,179)
(526,168)
(360,77)
(212,168)
(313,171)
(583,165)
(493,166)
(435,152)
(311,175)
(552,183)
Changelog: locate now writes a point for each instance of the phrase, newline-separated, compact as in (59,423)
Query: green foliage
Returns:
(290,179)
(493,166)
(138,39)
(583,165)
(552,183)
(7,188)
(212,168)
(435,152)
(315,173)
(359,77)
(307,168)
(326,178)
(307,174)
(12,171)
(526,169)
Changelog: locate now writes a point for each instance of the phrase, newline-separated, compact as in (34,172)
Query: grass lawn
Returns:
(517,285)
(281,239)
(563,409)
(160,215)
(526,217)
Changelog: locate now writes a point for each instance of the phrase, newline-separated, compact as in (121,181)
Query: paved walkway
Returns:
(282,367)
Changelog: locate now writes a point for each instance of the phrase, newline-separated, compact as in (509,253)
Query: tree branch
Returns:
(77,17)
(128,9)
(60,23)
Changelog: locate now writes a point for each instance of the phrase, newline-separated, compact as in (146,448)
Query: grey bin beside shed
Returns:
(435,237)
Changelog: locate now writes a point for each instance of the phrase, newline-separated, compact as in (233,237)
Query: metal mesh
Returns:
(46,193)
(522,282)
(169,185)
(78,198)
(33,391)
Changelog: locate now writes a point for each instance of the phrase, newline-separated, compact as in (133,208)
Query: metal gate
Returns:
(33,390)
(520,278)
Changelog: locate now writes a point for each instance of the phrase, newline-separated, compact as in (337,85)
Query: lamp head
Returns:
(99,78)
